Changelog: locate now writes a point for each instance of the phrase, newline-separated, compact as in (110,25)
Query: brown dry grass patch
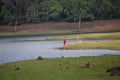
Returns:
(91,26)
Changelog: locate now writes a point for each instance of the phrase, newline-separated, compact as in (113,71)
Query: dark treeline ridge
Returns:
(34,11)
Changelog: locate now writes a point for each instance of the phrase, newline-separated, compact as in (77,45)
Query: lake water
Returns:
(12,50)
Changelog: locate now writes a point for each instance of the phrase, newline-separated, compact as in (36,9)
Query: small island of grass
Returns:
(108,44)
(110,41)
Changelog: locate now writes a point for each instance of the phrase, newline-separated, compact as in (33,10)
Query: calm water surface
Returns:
(12,50)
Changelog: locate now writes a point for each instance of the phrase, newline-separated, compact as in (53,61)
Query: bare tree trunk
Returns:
(15,28)
(79,26)
(79,23)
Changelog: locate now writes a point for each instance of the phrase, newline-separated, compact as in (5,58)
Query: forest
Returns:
(35,11)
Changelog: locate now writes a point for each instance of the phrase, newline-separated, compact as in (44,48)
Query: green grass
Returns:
(90,36)
(110,44)
(54,69)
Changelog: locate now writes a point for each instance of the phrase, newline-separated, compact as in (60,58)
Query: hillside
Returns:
(92,26)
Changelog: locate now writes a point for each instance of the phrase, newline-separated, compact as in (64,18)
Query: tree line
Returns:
(34,11)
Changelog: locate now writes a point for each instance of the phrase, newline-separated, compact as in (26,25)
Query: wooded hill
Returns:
(34,11)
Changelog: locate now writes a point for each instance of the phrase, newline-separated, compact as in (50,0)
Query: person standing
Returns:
(64,44)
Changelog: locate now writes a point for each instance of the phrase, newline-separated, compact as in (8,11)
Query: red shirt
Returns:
(64,42)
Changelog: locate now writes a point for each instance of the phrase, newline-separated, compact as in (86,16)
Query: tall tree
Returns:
(7,17)
(50,10)
(115,8)
(32,14)
(1,16)
(102,9)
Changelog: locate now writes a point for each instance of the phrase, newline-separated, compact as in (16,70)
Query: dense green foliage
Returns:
(32,11)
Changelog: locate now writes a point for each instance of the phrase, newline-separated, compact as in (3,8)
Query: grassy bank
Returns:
(110,44)
(56,32)
(61,69)
(90,36)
